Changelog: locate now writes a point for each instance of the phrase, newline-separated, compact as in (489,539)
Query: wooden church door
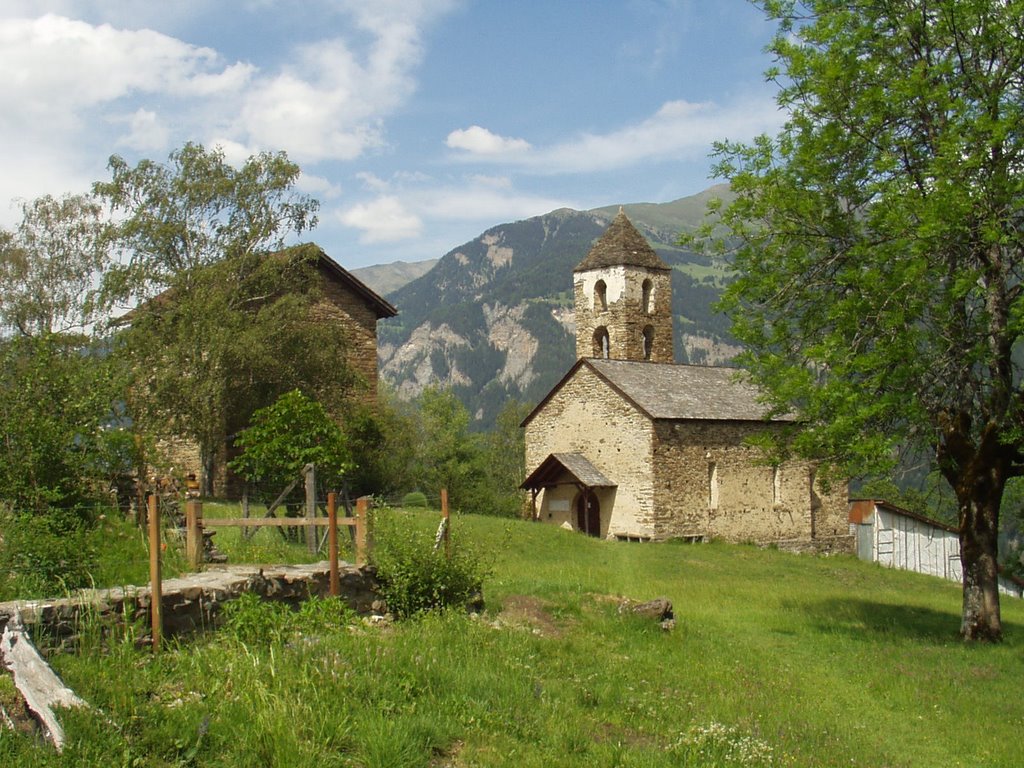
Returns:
(588,514)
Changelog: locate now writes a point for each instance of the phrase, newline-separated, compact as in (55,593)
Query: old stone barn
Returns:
(347,302)
(629,445)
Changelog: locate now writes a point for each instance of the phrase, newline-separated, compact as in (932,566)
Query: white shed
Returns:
(899,538)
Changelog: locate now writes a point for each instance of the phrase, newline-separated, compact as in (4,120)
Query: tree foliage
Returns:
(196,210)
(284,437)
(233,326)
(204,358)
(60,446)
(879,245)
(50,266)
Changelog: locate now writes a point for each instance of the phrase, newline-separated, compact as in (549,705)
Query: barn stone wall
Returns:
(178,457)
(343,306)
(587,417)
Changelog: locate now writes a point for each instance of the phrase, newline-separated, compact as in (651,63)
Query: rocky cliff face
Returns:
(493,319)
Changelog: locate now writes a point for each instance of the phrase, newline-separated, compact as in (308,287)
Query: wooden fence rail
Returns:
(195,523)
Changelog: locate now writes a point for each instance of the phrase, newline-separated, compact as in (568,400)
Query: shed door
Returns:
(588,513)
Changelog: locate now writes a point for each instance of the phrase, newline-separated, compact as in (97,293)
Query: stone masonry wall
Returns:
(753,502)
(193,603)
(359,356)
(360,323)
(624,316)
(587,417)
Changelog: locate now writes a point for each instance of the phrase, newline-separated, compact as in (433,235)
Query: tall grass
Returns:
(776,660)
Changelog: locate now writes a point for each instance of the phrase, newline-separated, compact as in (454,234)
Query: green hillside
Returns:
(775,660)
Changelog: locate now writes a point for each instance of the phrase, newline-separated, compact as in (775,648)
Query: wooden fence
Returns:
(195,523)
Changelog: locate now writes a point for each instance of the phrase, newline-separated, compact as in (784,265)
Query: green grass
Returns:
(776,659)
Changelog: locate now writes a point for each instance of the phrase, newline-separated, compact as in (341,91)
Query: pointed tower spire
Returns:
(621,245)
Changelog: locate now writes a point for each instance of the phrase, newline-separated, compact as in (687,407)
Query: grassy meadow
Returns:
(776,660)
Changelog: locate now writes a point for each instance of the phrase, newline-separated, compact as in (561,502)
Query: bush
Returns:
(415,578)
(44,555)
(415,500)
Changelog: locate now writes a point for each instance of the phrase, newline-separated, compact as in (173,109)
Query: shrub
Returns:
(415,500)
(415,578)
(45,555)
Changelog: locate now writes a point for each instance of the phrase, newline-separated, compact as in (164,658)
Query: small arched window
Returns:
(648,342)
(600,296)
(601,343)
(645,300)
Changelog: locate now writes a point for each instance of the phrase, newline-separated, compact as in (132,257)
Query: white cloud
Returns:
(382,220)
(55,64)
(83,87)
(146,132)
(318,186)
(483,203)
(372,181)
(679,130)
(480,141)
(400,213)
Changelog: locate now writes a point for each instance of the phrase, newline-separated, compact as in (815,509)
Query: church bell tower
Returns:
(623,298)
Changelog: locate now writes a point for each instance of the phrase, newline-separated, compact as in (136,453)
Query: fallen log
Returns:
(38,685)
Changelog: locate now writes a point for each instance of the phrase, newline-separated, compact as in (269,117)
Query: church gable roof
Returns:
(673,392)
(621,245)
(679,392)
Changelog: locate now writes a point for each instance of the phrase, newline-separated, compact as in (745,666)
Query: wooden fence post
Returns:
(332,542)
(194,533)
(362,507)
(155,586)
(311,538)
(447,523)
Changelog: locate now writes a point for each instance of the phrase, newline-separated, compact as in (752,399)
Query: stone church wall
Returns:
(586,416)
(709,483)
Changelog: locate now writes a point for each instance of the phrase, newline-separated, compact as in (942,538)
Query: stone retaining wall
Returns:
(193,603)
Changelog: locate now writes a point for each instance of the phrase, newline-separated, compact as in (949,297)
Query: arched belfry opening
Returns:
(648,342)
(602,344)
(623,293)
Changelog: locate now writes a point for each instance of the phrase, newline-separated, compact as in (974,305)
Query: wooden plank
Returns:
(155,583)
(310,472)
(38,685)
(276,522)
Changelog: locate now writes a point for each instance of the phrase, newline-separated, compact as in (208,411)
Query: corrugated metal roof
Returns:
(621,244)
(670,391)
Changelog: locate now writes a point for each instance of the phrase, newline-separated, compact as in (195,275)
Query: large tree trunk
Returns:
(979,542)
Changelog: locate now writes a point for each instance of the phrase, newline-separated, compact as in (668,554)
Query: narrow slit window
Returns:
(713,485)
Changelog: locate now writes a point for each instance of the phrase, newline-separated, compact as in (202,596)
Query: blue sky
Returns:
(417,123)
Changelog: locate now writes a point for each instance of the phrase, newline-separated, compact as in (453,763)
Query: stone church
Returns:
(631,446)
